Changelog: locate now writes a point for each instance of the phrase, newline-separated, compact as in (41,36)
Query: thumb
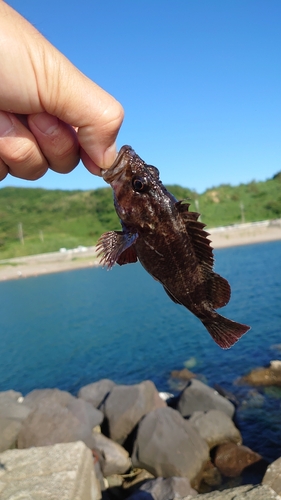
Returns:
(77,100)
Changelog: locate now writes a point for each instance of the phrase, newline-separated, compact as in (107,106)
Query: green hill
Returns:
(51,219)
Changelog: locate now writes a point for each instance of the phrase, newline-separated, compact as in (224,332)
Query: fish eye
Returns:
(139,184)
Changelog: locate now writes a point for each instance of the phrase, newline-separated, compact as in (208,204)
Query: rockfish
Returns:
(169,242)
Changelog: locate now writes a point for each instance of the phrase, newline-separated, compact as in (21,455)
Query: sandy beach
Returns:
(82,257)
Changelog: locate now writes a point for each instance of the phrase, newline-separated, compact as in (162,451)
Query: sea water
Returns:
(68,329)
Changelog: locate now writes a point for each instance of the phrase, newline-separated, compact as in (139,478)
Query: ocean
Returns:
(68,329)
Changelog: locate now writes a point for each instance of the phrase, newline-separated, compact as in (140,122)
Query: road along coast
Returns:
(81,257)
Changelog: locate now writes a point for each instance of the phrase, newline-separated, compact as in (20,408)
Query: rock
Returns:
(211,475)
(63,471)
(11,406)
(264,376)
(165,489)
(272,476)
(215,427)
(12,414)
(57,417)
(200,397)
(9,431)
(183,374)
(232,459)
(246,492)
(97,392)
(131,481)
(167,445)
(127,404)
(113,458)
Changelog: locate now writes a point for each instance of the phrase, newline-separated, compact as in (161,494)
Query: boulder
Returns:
(246,492)
(167,445)
(57,417)
(63,471)
(264,376)
(183,374)
(12,406)
(53,396)
(12,413)
(113,458)
(127,404)
(200,397)
(9,431)
(164,489)
(216,427)
(97,392)
(272,476)
(232,459)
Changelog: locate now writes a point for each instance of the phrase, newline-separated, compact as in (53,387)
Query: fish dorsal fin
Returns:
(183,208)
(199,237)
(219,290)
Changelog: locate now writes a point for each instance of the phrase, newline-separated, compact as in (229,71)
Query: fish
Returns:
(169,241)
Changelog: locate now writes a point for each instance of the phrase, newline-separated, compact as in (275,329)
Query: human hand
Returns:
(51,115)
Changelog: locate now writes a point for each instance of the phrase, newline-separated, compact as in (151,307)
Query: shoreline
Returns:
(83,257)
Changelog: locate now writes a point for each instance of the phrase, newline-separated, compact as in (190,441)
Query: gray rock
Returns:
(215,427)
(272,476)
(11,394)
(12,414)
(56,396)
(62,471)
(247,492)
(127,404)
(113,458)
(166,488)
(200,397)
(9,431)
(57,417)
(167,445)
(97,392)
(11,408)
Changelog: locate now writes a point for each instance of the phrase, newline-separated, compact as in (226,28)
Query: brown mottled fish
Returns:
(169,242)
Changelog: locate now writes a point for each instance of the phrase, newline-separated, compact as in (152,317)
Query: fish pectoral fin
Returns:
(129,256)
(113,244)
(219,290)
(171,296)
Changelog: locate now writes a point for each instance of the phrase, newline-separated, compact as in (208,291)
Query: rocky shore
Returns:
(128,442)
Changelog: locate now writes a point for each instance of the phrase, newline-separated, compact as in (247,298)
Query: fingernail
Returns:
(6,124)
(109,156)
(45,123)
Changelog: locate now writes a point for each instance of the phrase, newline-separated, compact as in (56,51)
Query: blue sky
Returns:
(200,81)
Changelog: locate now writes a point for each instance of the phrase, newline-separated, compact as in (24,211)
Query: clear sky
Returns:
(200,81)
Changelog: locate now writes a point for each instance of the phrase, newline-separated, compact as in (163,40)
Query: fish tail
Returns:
(225,332)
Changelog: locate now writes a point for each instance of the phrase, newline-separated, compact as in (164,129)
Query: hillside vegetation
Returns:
(37,220)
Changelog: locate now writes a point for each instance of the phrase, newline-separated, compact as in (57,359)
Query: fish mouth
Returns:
(125,155)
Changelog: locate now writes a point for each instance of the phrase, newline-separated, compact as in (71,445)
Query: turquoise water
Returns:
(69,329)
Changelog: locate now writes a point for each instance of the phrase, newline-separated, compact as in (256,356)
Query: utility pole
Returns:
(242,212)
(20,233)
(197,208)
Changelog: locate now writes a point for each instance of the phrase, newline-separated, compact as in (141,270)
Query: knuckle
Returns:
(22,153)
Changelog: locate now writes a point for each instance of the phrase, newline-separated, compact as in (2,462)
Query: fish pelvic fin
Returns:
(116,246)
(225,332)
